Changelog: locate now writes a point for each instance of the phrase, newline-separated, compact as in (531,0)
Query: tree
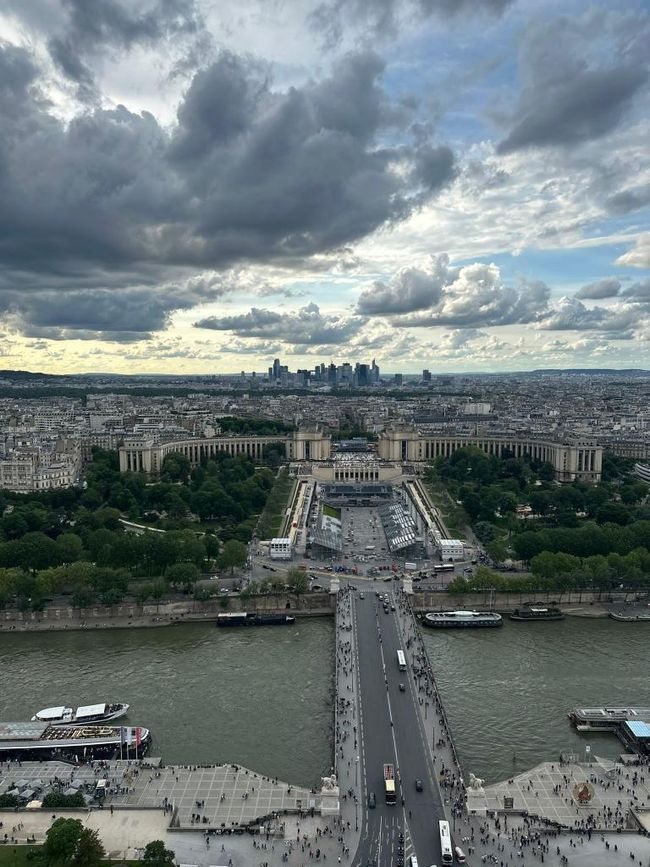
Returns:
(69,547)
(298,581)
(497,550)
(175,468)
(182,575)
(234,554)
(58,801)
(155,855)
(37,551)
(61,841)
(89,851)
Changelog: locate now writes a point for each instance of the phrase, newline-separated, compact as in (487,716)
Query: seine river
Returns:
(258,697)
(507,691)
(262,697)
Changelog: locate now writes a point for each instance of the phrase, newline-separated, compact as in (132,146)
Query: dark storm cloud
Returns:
(574,110)
(608,287)
(291,174)
(92,27)
(331,17)
(248,173)
(629,200)
(307,326)
(579,78)
(141,310)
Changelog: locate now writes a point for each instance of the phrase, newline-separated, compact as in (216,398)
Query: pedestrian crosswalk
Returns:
(408,841)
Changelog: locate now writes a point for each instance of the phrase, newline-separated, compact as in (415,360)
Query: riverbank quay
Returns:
(132,616)
(575,604)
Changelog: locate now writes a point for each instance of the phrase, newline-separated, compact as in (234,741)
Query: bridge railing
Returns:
(439,706)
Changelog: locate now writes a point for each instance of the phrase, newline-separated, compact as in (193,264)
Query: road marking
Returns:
(381,821)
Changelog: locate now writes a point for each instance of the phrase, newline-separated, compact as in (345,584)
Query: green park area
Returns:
(272,516)
(561,536)
(34,856)
(70,546)
(69,843)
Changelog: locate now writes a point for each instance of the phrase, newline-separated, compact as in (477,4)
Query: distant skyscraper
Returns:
(399,379)
(362,374)
(277,368)
(426,375)
(374,372)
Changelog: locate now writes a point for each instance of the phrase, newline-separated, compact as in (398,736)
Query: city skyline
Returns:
(462,187)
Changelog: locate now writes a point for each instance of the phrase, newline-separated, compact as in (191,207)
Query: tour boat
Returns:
(537,612)
(462,619)
(629,618)
(247,618)
(89,714)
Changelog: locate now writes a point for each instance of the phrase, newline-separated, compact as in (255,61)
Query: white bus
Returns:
(445,843)
(401,660)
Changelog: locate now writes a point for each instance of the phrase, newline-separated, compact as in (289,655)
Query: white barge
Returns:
(588,719)
(462,619)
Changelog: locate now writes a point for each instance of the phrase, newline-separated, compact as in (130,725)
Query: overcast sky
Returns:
(202,185)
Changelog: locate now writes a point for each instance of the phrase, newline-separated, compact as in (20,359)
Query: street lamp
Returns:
(356,816)
(356,770)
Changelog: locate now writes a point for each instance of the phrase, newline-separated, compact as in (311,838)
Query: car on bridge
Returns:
(372,800)
(419,786)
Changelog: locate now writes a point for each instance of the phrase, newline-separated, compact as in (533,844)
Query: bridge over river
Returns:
(398,720)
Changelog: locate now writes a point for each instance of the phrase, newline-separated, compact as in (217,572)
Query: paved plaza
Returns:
(216,797)
(601,793)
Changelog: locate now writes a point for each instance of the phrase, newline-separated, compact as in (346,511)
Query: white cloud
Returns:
(639,255)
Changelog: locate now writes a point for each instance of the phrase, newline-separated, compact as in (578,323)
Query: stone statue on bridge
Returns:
(329,796)
(475,783)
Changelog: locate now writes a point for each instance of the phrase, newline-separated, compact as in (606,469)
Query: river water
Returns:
(507,691)
(262,697)
(259,697)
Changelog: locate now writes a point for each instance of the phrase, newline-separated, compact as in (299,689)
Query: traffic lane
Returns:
(383,824)
(426,806)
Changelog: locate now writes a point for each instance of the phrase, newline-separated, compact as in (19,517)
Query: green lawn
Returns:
(273,513)
(452,514)
(16,856)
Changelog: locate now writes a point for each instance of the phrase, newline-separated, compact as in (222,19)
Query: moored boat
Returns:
(462,619)
(245,618)
(605,718)
(89,714)
(537,612)
(40,740)
(629,618)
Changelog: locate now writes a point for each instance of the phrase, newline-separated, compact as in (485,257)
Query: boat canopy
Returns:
(52,712)
(91,710)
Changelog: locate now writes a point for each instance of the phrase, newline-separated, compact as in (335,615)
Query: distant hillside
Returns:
(593,371)
(25,375)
